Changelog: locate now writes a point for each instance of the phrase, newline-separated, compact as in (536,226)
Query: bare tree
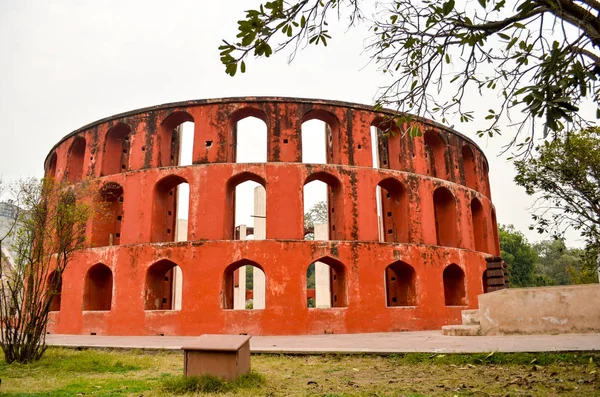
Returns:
(47,234)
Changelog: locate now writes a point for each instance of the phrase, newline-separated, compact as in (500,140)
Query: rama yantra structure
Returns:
(408,233)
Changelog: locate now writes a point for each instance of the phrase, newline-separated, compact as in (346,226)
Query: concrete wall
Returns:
(542,310)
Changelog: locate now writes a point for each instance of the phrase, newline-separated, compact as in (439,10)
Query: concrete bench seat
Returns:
(224,356)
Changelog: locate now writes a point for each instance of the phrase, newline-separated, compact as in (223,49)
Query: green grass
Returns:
(99,373)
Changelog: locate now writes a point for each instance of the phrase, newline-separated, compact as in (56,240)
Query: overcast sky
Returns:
(68,63)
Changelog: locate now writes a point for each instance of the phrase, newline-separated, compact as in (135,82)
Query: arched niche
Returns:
(54,290)
(175,146)
(244,286)
(479,226)
(115,157)
(106,226)
(334,200)
(51,169)
(76,159)
(454,286)
(445,217)
(330,289)
(313,122)
(246,206)
(393,211)
(248,131)
(164,283)
(400,284)
(98,288)
(469,167)
(435,156)
(165,203)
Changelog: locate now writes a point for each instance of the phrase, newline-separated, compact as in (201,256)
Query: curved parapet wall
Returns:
(412,261)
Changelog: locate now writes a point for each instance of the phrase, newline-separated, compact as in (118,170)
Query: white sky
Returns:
(68,63)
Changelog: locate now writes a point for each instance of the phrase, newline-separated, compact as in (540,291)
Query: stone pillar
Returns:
(181,228)
(322,273)
(239,292)
(260,233)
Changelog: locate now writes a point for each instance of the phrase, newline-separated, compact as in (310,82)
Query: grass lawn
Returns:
(65,372)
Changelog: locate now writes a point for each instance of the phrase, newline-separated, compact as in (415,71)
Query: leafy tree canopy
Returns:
(565,174)
(542,56)
(519,254)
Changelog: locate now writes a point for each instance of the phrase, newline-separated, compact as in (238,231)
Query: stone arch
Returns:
(234,277)
(161,292)
(51,170)
(454,286)
(97,295)
(335,203)
(394,211)
(469,167)
(106,226)
(484,282)
(76,159)
(331,280)
(332,129)
(54,290)
(400,284)
(435,155)
(169,138)
(445,217)
(164,208)
(234,120)
(115,158)
(479,226)
(259,197)
(381,128)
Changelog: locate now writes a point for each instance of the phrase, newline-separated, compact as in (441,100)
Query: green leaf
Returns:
(243,67)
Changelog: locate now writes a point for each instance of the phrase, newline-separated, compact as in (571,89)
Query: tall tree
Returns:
(542,56)
(520,256)
(51,228)
(565,176)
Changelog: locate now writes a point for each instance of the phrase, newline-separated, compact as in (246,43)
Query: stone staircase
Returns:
(469,327)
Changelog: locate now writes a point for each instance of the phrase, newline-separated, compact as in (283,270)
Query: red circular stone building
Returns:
(412,264)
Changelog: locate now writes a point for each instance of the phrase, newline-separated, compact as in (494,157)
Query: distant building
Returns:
(8,215)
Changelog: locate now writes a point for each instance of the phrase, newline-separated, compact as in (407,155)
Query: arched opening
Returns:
(168,224)
(98,288)
(76,158)
(486,177)
(164,283)
(54,290)
(323,205)
(106,228)
(445,217)
(469,167)
(319,131)
(247,207)
(435,155)
(249,136)
(393,211)
(115,158)
(454,286)
(327,277)
(381,128)
(484,282)
(51,171)
(244,286)
(479,226)
(176,140)
(495,231)
(400,285)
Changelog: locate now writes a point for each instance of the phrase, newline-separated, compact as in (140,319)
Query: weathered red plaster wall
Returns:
(284,256)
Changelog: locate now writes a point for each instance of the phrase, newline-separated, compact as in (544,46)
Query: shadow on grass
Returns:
(211,384)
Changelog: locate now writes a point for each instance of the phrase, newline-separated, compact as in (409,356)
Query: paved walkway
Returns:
(379,343)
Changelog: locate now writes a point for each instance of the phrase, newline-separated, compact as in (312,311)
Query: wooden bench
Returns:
(224,356)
